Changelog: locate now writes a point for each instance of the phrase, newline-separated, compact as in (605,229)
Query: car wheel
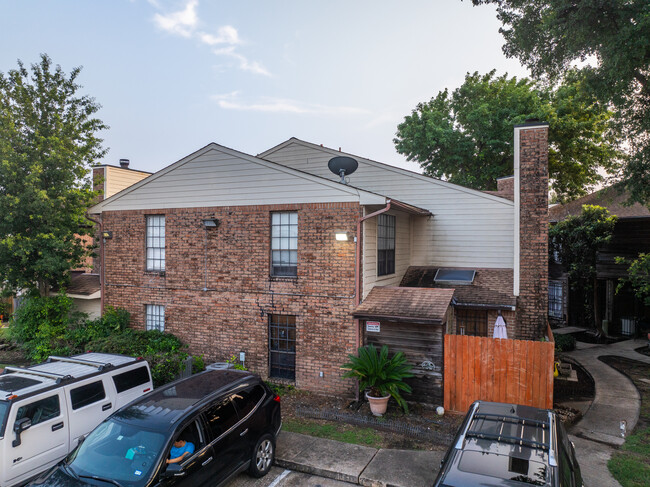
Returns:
(263,456)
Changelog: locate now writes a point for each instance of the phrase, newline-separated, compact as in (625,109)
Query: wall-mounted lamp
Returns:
(211,223)
(107,234)
(341,236)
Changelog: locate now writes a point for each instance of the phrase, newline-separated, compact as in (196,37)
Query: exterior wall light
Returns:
(211,223)
(341,236)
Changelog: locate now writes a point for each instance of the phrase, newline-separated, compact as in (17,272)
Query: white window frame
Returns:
(155,243)
(284,243)
(154,317)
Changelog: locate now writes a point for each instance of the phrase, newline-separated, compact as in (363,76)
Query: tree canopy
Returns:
(613,37)
(48,142)
(466,137)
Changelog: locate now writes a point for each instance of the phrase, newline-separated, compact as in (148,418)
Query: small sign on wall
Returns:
(373,326)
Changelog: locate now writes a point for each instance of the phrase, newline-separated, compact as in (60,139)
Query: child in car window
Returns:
(180,450)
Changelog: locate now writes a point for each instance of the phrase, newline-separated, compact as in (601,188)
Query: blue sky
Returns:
(175,75)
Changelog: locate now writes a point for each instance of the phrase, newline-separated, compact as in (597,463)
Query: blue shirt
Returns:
(176,452)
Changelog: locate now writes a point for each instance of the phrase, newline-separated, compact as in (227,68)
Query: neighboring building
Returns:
(621,309)
(270,256)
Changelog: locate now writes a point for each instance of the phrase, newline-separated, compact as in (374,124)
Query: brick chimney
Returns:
(531,229)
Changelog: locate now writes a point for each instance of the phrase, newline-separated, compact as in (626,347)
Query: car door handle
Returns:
(207,461)
(106,407)
(243,432)
(57,426)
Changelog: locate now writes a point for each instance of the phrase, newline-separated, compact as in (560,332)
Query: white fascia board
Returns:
(361,194)
(95,295)
(388,167)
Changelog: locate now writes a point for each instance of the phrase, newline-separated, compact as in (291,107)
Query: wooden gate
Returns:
(511,371)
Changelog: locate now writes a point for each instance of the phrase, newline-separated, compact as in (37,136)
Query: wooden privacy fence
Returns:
(512,371)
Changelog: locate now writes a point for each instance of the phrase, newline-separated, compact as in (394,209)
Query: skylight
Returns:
(455,276)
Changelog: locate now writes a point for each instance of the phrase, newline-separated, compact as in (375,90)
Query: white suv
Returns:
(45,409)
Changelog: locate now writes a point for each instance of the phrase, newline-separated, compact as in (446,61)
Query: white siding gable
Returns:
(469,228)
(217,176)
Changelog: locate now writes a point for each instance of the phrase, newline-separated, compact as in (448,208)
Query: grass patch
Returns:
(339,432)
(631,464)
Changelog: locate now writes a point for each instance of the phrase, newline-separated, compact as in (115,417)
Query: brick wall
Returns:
(532,303)
(232,315)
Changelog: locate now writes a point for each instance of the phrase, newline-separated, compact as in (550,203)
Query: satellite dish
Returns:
(342,166)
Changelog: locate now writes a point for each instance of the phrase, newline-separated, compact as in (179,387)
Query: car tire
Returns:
(263,456)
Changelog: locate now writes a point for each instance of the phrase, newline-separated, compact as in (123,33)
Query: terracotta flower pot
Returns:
(378,405)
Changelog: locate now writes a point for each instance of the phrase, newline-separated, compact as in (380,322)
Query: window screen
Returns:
(156,242)
(284,244)
(471,322)
(87,394)
(155,317)
(555,299)
(132,378)
(385,244)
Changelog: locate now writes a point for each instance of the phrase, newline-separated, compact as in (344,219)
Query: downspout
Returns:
(357,275)
(101,260)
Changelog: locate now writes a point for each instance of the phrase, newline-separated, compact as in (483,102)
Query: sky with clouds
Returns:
(175,75)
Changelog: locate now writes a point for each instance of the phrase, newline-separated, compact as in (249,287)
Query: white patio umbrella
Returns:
(500,330)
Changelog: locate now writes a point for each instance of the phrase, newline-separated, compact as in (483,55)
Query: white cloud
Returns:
(226,35)
(279,105)
(181,22)
(185,22)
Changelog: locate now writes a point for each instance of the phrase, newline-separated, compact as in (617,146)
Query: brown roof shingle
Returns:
(610,198)
(83,284)
(491,287)
(420,305)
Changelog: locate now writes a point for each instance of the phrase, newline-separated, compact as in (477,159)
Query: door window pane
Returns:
(246,400)
(87,394)
(41,410)
(282,346)
(221,417)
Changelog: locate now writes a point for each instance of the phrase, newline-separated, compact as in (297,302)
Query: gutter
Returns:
(357,275)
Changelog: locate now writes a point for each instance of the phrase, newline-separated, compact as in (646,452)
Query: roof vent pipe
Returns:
(124,163)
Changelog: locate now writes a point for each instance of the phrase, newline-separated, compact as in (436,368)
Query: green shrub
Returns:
(564,342)
(41,326)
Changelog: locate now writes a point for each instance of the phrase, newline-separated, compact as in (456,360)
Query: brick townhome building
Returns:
(236,253)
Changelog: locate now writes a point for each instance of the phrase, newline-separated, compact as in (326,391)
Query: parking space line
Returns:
(279,478)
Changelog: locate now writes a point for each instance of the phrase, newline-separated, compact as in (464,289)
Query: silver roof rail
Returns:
(47,375)
(461,438)
(78,361)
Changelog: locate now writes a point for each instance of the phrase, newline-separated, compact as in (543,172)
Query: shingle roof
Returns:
(491,287)
(83,284)
(610,198)
(419,305)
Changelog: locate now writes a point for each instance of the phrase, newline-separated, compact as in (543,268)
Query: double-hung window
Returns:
(155,317)
(156,243)
(284,244)
(385,244)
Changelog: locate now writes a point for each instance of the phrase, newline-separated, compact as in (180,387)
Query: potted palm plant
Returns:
(379,376)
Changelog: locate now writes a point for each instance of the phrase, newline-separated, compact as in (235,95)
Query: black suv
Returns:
(509,445)
(230,417)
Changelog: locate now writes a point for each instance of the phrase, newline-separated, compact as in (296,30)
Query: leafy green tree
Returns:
(575,243)
(466,137)
(48,142)
(549,36)
(638,276)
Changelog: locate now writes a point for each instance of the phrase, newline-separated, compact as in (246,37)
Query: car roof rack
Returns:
(39,373)
(73,360)
(548,426)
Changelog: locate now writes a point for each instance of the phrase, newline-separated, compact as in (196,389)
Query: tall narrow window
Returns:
(282,346)
(555,299)
(385,244)
(156,242)
(284,244)
(155,317)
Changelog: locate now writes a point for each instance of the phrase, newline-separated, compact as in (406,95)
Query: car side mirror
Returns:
(173,470)
(19,426)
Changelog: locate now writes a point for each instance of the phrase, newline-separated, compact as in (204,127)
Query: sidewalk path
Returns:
(616,398)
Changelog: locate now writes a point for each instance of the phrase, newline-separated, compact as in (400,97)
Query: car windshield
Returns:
(118,451)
